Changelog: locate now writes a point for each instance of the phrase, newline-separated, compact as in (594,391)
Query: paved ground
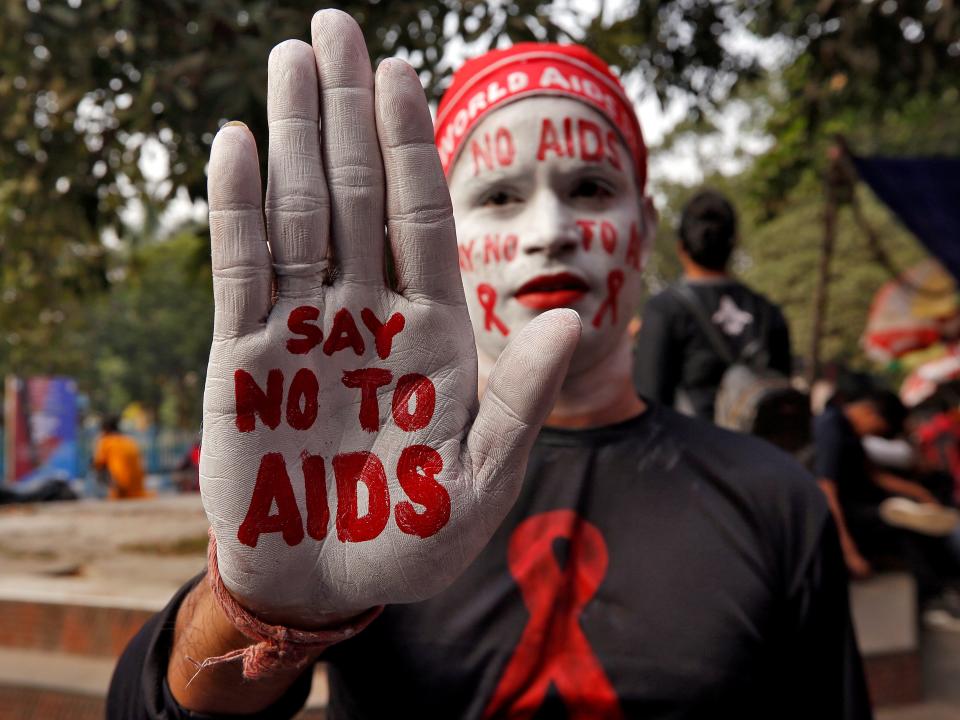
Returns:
(137,552)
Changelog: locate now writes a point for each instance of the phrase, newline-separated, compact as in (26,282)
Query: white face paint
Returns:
(549,215)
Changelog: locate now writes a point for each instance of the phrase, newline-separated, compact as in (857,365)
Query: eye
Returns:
(498,198)
(591,189)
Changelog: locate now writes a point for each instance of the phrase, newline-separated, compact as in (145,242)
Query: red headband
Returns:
(501,76)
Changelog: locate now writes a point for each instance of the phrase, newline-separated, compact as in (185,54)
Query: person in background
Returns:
(119,456)
(881,515)
(676,363)
(188,469)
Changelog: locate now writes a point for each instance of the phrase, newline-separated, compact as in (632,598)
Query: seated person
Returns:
(623,562)
(860,493)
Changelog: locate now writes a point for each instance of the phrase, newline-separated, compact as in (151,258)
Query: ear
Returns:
(649,222)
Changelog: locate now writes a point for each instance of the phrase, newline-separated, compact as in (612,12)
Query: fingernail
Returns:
(234,123)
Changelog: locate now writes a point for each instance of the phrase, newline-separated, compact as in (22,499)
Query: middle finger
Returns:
(351,152)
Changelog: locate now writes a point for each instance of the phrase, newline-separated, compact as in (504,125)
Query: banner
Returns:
(924,192)
(41,422)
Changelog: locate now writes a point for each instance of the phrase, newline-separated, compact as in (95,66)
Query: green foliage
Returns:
(872,71)
(148,338)
(84,85)
(145,338)
(781,259)
(676,48)
(83,88)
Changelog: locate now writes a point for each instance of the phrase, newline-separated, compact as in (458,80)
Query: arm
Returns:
(828,442)
(99,459)
(144,687)
(394,369)
(856,563)
(203,631)
(823,673)
(896,485)
(657,369)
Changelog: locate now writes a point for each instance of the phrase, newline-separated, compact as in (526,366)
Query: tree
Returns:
(145,339)
(871,70)
(87,85)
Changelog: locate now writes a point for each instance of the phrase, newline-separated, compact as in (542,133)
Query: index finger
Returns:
(420,225)
(238,244)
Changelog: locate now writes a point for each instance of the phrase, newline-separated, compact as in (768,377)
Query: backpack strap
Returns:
(688,298)
(754,353)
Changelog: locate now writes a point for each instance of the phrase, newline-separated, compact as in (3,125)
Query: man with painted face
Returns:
(444,555)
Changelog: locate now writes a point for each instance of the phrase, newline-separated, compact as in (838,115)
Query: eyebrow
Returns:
(603,168)
(491,177)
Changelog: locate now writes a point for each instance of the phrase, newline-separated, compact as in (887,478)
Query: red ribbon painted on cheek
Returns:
(488,300)
(553,648)
(614,283)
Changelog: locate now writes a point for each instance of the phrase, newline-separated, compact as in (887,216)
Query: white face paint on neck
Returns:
(549,215)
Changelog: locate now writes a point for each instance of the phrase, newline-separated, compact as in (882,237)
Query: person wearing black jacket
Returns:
(676,363)
(622,562)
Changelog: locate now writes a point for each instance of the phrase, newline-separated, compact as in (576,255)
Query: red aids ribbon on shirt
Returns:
(553,649)
(487,297)
(501,76)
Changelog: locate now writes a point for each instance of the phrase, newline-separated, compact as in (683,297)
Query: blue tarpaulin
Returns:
(925,194)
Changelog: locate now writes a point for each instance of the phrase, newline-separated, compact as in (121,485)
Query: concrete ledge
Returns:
(41,704)
(89,630)
(894,679)
(36,670)
(885,614)
(49,684)
(31,704)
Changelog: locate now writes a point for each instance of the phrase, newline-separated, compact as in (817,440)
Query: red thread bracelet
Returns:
(276,647)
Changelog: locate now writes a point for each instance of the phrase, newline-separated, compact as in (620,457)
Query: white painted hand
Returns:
(346,462)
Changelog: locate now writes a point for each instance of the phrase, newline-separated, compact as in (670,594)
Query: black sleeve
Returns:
(781,358)
(823,674)
(828,446)
(657,368)
(138,688)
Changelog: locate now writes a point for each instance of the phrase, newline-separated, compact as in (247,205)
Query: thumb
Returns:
(520,393)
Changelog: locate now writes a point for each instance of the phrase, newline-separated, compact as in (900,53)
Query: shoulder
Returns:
(757,488)
(664,302)
(830,421)
(759,298)
(768,482)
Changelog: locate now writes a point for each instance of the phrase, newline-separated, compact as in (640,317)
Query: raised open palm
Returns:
(346,461)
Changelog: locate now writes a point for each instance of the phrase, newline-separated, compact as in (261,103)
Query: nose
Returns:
(552,229)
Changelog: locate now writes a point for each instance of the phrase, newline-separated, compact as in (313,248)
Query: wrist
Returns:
(203,631)
(848,547)
(209,668)
(275,647)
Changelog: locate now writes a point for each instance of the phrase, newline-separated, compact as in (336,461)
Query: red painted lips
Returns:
(546,292)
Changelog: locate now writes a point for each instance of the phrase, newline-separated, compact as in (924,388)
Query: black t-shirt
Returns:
(840,457)
(674,357)
(658,568)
